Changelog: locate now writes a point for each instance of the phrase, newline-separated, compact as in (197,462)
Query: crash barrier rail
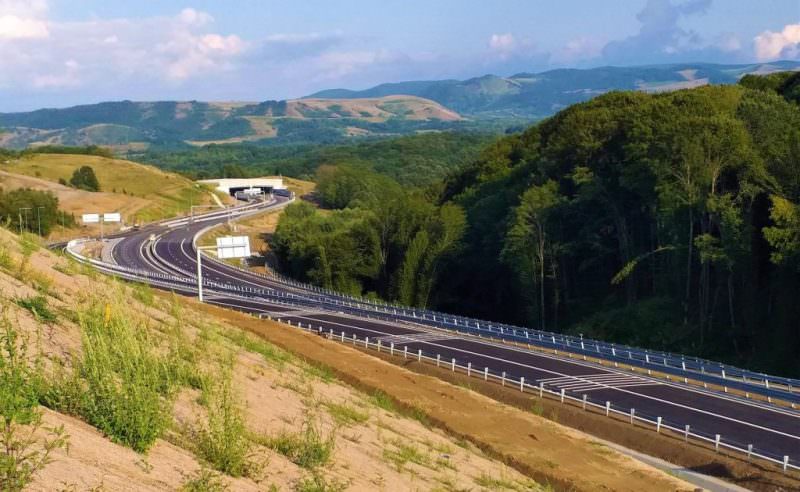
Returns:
(293,300)
(315,301)
(687,366)
(652,422)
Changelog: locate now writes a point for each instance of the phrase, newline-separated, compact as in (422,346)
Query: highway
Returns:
(164,254)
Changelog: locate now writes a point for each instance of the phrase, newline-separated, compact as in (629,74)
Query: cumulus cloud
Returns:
(660,36)
(784,44)
(22,19)
(104,52)
(502,42)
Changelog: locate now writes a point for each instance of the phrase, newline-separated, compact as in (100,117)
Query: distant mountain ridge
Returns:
(537,95)
(131,125)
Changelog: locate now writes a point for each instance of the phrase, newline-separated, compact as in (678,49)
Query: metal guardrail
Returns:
(274,296)
(656,423)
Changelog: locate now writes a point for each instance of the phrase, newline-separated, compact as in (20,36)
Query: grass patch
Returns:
(381,400)
(38,306)
(345,414)
(6,261)
(125,380)
(144,294)
(307,448)
(323,373)
(407,453)
(494,483)
(22,453)
(268,351)
(318,483)
(224,442)
(205,480)
(537,408)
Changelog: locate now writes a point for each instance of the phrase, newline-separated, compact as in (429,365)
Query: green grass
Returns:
(307,448)
(124,382)
(144,294)
(268,351)
(494,483)
(38,306)
(224,442)
(407,453)
(205,480)
(345,414)
(383,401)
(318,483)
(6,261)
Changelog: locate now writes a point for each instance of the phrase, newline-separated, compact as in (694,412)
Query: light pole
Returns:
(39,218)
(25,221)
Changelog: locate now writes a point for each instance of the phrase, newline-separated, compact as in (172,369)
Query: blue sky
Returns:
(60,53)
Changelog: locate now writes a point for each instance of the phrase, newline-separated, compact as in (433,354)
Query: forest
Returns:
(663,220)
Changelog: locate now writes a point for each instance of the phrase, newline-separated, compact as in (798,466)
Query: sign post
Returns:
(227,247)
(97,218)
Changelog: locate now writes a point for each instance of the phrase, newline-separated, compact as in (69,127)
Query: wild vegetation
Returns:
(411,160)
(34,211)
(667,220)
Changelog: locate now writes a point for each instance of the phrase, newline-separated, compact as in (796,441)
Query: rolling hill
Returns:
(128,125)
(537,95)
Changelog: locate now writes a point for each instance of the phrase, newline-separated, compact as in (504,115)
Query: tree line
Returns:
(669,221)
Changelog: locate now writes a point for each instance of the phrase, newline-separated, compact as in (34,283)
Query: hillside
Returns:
(537,95)
(175,395)
(668,220)
(139,192)
(135,126)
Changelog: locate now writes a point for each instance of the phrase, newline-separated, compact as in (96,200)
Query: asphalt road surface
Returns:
(772,430)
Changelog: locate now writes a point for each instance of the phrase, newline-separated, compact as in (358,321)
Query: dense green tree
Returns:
(84,178)
(30,210)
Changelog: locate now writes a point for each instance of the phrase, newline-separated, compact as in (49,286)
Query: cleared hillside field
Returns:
(134,189)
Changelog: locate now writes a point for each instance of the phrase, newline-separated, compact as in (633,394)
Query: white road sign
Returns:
(90,218)
(233,247)
(112,217)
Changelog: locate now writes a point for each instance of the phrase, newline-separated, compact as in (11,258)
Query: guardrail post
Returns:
(522,383)
(419,355)
(562,395)
(366,342)
(342,337)
(633,414)
(354,340)
(723,374)
(608,408)
(331,331)
(785,463)
(686,433)
(658,425)
(405,352)
(503,378)
(453,364)
(541,389)
(749,450)
(485,373)
(438,359)
(716,443)
(584,402)
(391,348)
(469,368)
(379,345)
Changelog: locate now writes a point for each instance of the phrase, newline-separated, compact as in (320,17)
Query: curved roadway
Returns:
(773,431)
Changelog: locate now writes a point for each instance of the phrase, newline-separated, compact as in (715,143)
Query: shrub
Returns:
(122,384)
(224,443)
(205,480)
(38,306)
(22,455)
(318,483)
(346,414)
(307,448)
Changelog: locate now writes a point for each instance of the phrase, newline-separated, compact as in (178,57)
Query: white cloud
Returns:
(502,42)
(105,52)
(770,45)
(22,20)
(577,50)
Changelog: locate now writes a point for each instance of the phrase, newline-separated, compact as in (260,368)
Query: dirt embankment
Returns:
(304,425)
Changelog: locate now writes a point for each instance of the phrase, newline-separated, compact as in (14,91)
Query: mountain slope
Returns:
(537,95)
(132,125)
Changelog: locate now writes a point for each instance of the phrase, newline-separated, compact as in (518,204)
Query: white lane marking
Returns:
(622,390)
(414,337)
